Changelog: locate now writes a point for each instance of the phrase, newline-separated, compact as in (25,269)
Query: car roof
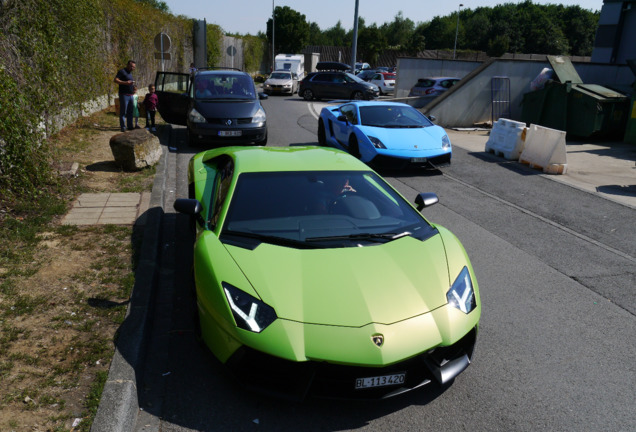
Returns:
(438,78)
(375,103)
(221,71)
(297,158)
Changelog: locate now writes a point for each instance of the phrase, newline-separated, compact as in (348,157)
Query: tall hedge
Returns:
(56,55)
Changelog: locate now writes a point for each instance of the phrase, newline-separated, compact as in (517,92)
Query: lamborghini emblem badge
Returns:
(377,339)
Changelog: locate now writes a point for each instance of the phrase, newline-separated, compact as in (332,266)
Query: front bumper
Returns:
(298,380)
(277,89)
(212,133)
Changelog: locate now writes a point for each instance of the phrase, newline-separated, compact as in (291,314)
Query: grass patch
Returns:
(64,291)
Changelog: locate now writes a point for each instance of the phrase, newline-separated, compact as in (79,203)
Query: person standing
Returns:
(126,84)
(151,101)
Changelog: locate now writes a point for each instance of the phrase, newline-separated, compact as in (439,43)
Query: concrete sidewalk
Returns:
(605,169)
(108,208)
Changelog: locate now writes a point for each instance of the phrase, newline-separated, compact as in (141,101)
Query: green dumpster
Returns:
(581,110)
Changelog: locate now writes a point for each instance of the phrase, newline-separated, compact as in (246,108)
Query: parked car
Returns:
(281,82)
(219,107)
(360,66)
(315,277)
(336,85)
(385,82)
(433,86)
(384,134)
(366,75)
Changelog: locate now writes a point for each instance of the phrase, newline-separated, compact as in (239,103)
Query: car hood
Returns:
(407,138)
(227,108)
(272,81)
(350,286)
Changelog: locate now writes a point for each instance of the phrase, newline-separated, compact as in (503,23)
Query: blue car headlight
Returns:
(461,294)
(446,142)
(249,312)
(376,142)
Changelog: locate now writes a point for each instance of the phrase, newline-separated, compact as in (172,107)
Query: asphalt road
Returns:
(557,272)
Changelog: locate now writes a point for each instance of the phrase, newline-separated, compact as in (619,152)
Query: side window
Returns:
(221,187)
(377,76)
(351,113)
(321,77)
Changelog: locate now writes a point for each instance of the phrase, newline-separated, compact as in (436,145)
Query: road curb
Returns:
(119,404)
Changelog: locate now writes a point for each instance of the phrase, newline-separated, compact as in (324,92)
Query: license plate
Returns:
(230,133)
(380,381)
(419,160)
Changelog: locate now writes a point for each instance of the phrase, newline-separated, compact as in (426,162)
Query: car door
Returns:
(377,80)
(173,91)
(342,129)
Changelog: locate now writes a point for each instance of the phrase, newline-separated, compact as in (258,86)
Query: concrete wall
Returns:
(469,102)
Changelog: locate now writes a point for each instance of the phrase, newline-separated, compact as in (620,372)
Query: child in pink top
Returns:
(151,101)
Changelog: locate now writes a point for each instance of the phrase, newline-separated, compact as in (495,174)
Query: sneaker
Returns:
(154,129)
(147,128)
(123,129)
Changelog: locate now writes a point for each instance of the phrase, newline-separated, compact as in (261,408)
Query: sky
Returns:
(250,16)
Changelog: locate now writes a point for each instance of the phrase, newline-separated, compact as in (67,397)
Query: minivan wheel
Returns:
(308,95)
(357,95)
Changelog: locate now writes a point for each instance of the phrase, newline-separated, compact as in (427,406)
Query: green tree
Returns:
(157,4)
(292,30)
(399,31)
(336,35)
(371,42)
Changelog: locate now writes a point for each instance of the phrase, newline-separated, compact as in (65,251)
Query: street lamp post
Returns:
(456,30)
(273,26)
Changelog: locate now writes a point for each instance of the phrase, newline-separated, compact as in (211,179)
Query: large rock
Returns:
(136,149)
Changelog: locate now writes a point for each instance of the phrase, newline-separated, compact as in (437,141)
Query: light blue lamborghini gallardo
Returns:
(384,134)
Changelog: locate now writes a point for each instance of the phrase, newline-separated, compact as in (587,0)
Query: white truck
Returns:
(295,63)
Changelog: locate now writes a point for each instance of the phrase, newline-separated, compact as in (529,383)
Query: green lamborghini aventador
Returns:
(315,277)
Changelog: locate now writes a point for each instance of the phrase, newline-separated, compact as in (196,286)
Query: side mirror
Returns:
(432,118)
(190,207)
(262,96)
(342,118)
(426,199)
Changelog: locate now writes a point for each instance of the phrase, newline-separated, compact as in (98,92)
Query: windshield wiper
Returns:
(260,238)
(362,236)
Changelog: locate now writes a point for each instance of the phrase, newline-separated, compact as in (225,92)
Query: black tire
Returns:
(354,149)
(357,95)
(322,134)
(193,140)
(308,95)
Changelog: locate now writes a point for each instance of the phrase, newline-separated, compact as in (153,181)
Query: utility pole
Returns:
(456,30)
(273,26)
(355,40)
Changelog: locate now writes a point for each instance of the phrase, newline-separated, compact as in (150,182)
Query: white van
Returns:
(295,63)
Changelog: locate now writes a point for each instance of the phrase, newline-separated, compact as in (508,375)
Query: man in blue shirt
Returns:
(126,90)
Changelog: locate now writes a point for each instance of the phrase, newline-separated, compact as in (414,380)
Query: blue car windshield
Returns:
(224,87)
(393,116)
(321,207)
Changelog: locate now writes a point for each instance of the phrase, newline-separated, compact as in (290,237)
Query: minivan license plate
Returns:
(230,133)
(380,381)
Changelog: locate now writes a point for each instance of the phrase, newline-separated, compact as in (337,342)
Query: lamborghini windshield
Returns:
(393,116)
(321,207)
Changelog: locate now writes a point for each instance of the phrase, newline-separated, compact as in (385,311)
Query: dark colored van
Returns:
(219,107)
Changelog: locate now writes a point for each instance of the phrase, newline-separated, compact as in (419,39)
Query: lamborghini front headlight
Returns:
(249,312)
(461,294)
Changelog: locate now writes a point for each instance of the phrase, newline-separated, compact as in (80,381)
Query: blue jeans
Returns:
(126,111)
